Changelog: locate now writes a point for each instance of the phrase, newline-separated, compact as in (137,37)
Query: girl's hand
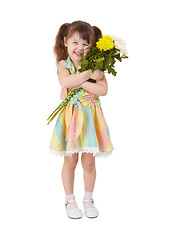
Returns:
(97,75)
(75,88)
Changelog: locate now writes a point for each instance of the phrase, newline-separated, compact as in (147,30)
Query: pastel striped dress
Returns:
(81,126)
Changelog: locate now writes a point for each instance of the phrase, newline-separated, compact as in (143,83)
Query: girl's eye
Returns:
(75,42)
(86,45)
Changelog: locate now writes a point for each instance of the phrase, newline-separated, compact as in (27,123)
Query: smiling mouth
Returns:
(78,54)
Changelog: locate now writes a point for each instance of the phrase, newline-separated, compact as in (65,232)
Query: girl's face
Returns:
(76,46)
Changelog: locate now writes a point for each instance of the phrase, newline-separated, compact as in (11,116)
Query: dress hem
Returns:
(94,151)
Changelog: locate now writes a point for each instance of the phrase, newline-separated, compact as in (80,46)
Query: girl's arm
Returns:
(71,81)
(100,88)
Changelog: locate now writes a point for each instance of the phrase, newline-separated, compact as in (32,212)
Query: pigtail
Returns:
(59,48)
(98,33)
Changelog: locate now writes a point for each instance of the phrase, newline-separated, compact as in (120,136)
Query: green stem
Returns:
(53,112)
(62,104)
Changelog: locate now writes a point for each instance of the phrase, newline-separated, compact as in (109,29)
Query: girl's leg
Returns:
(88,164)
(68,172)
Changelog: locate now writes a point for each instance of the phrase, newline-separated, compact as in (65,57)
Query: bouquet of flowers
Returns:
(103,57)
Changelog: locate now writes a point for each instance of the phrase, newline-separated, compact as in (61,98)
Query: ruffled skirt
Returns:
(81,127)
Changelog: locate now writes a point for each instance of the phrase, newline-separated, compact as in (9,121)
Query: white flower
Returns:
(120,44)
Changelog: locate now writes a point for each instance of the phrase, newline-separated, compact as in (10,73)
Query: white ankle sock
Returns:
(71,205)
(88,196)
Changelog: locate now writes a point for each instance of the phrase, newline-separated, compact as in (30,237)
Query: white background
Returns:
(136,190)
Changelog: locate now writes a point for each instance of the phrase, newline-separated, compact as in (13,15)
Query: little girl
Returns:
(81,126)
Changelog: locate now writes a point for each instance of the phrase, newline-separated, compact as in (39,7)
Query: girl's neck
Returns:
(75,64)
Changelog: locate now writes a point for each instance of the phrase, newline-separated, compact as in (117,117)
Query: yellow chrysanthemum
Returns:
(105,43)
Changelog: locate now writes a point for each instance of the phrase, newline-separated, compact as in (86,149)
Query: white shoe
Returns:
(91,212)
(73,213)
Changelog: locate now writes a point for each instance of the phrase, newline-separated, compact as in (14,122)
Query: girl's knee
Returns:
(89,167)
(72,161)
(88,162)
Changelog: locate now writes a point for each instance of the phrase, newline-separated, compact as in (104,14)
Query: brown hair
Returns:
(87,32)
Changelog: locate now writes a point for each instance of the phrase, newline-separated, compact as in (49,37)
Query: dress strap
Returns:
(62,61)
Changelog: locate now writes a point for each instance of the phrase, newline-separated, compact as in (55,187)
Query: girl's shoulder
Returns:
(61,66)
(66,64)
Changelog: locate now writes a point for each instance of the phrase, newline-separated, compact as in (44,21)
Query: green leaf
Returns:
(118,56)
(83,57)
(111,70)
(124,56)
(99,59)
